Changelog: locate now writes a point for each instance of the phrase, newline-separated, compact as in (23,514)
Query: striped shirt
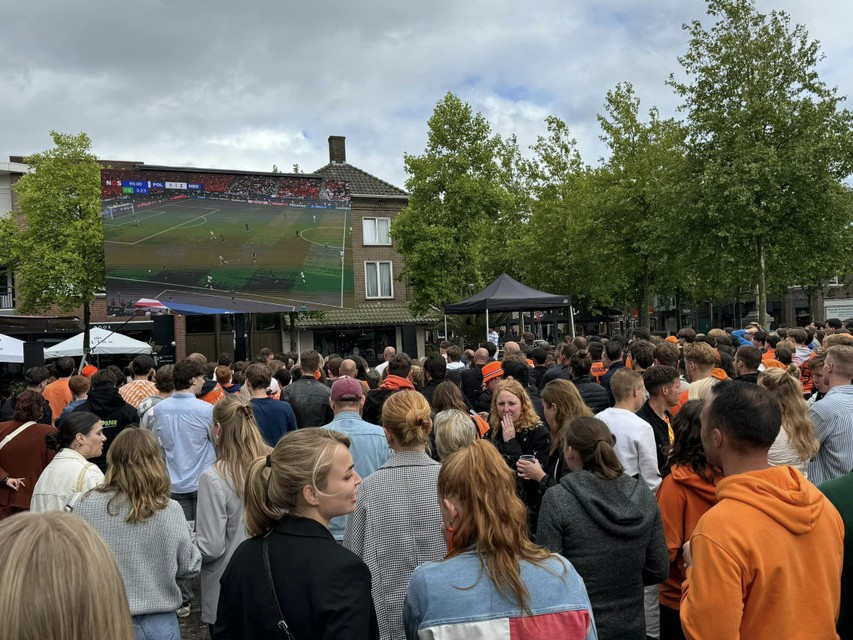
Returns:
(136,391)
(833,421)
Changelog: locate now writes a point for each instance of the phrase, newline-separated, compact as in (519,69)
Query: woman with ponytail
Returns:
(608,525)
(290,579)
(493,576)
(79,438)
(797,442)
(396,524)
(219,521)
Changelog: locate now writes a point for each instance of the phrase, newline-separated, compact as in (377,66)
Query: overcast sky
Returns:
(244,85)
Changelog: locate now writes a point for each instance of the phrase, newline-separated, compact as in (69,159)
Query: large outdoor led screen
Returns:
(226,241)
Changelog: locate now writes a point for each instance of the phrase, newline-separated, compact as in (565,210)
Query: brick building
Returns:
(380,317)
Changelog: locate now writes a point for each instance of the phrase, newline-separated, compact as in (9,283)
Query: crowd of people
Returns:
(632,487)
(300,188)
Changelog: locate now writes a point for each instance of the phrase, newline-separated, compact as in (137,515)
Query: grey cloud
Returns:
(245,85)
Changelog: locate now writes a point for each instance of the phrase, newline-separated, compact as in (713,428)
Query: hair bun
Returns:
(52,441)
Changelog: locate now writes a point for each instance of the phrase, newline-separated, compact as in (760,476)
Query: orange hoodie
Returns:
(766,561)
(683,498)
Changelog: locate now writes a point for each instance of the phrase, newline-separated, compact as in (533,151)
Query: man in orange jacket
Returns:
(765,562)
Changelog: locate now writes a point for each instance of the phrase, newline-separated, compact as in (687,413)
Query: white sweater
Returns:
(635,444)
(58,482)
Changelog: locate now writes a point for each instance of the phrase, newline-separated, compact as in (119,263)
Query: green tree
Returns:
(55,241)
(770,147)
(548,251)
(455,197)
(639,209)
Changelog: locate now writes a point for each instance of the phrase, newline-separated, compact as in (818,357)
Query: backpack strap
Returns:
(16,432)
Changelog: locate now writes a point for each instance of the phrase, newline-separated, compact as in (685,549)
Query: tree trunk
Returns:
(761,298)
(678,323)
(644,311)
(86,316)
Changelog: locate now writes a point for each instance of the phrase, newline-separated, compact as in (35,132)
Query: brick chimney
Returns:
(337,149)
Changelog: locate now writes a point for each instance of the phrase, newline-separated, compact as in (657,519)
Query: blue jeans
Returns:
(157,626)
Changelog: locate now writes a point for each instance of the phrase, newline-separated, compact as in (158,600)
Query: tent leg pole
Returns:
(487,324)
(572,320)
(446,337)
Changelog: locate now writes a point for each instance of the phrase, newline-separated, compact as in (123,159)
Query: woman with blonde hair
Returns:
(219,521)
(290,579)
(396,524)
(597,511)
(146,530)
(59,581)
(493,577)
(453,431)
(520,436)
(797,442)
(561,401)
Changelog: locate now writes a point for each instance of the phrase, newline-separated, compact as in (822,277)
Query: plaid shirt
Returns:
(395,527)
(136,391)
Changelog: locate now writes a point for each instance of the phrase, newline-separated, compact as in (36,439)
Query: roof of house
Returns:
(360,182)
(362,316)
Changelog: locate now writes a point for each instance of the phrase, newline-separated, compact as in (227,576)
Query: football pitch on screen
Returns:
(276,254)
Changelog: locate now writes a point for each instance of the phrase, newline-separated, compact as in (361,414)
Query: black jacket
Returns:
(472,383)
(323,588)
(483,403)
(8,411)
(310,401)
(536,401)
(109,406)
(605,379)
(661,431)
(559,371)
(593,395)
(536,375)
(536,442)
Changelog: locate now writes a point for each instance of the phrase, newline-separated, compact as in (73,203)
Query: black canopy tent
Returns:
(507,294)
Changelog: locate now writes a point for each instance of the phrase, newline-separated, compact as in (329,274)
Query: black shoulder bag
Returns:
(283,629)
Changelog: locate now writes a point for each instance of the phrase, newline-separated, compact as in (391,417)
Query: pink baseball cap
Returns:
(346,388)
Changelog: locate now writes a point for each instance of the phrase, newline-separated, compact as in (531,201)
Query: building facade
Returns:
(379,318)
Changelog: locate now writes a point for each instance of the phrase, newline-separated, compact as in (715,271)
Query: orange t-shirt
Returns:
(58,395)
(598,370)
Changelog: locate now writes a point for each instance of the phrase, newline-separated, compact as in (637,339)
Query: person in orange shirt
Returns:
(57,393)
(141,387)
(687,491)
(765,562)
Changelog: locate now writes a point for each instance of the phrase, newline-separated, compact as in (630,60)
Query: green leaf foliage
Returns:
(770,147)
(55,243)
(456,195)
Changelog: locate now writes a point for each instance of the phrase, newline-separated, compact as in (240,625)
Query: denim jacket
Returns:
(454,599)
(369,450)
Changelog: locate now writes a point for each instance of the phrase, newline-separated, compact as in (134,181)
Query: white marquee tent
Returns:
(11,349)
(102,342)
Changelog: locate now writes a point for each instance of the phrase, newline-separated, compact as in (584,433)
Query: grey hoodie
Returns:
(611,531)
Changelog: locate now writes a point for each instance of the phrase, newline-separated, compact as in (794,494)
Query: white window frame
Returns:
(378,280)
(375,241)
